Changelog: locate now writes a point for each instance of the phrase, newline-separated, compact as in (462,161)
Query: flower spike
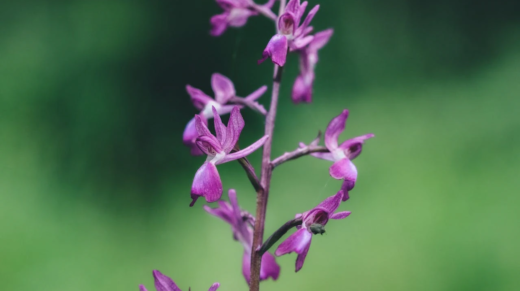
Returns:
(313,222)
(218,148)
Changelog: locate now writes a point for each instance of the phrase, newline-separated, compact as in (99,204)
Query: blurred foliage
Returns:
(94,179)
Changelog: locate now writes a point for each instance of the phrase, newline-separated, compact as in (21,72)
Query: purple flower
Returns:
(313,222)
(291,35)
(164,283)
(343,168)
(236,13)
(218,149)
(242,226)
(302,89)
(224,93)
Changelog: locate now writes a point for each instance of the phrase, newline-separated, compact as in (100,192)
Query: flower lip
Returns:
(317,215)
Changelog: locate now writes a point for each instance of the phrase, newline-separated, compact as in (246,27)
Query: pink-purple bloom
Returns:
(218,148)
(313,222)
(343,154)
(236,13)
(165,283)
(242,226)
(224,94)
(302,88)
(290,34)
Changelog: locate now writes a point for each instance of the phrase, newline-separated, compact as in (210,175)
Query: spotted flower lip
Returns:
(343,154)
(218,148)
(236,14)
(241,224)
(300,241)
(290,34)
(225,94)
(165,283)
(302,88)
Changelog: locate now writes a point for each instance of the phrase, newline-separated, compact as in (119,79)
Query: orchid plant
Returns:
(291,36)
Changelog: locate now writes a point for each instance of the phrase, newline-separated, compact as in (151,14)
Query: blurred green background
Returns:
(95,181)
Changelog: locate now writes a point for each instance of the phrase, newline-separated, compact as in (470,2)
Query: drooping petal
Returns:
(190,135)
(269,267)
(222,87)
(340,215)
(198,98)
(163,282)
(214,287)
(346,187)
(206,183)
(343,169)
(276,50)
(142,288)
(353,146)
(296,242)
(220,128)
(334,129)
(302,90)
(300,259)
(234,128)
(219,24)
(244,152)
(320,39)
(224,212)
(331,203)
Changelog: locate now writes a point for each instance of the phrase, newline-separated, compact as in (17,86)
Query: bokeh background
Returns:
(95,181)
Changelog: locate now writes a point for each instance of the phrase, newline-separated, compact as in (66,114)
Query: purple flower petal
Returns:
(331,203)
(301,42)
(300,259)
(209,145)
(244,152)
(198,98)
(269,267)
(340,215)
(206,183)
(296,242)
(302,91)
(222,87)
(164,283)
(323,156)
(307,20)
(142,288)
(346,187)
(334,129)
(201,125)
(354,146)
(224,211)
(214,287)
(246,266)
(220,128)
(343,169)
(276,49)
(317,215)
(256,94)
(219,24)
(234,128)
(232,194)
(320,39)
(286,24)
(293,7)
(190,135)
(238,16)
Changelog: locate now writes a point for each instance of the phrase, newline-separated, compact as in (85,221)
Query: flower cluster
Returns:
(292,36)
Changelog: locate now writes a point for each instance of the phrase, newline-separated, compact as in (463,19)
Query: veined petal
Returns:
(293,7)
(256,94)
(340,215)
(343,169)
(163,282)
(198,98)
(142,288)
(214,287)
(206,183)
(331,203)
(307,20)
(300,259)
(320,39)
(209,145)
(232,194)
(301,42)
(269,267)
(201,125)
(234,128)
(296,242)
(219,24)
(353,146)
(276,50)
(346,187)
(334,129)
(301,91)
(244,152)
(222,87)
(220,128)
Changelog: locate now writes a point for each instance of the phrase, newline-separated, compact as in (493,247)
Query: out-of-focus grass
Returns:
(435,206)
